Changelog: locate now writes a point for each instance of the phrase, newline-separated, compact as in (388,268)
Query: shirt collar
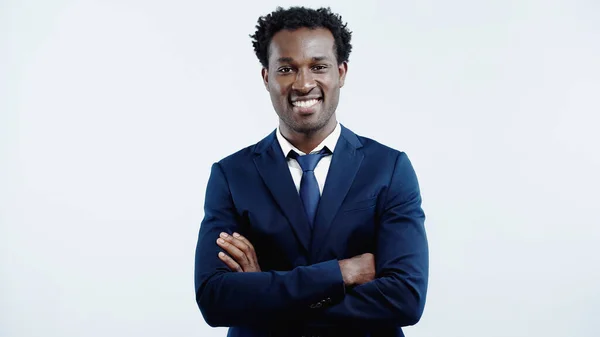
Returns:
(329,142)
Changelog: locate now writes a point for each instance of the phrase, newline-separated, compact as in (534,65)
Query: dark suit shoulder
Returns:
(368,145)
(241,155)
(245,156)
(374,148)
(237,165)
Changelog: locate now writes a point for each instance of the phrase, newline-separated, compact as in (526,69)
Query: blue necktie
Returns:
(309,188)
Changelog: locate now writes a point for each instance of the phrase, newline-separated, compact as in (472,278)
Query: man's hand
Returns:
(358,270)
(242,257)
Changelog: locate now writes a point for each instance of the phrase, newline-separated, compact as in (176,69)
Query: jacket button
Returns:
(316,305)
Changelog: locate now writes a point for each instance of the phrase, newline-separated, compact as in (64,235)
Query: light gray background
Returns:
(113,111)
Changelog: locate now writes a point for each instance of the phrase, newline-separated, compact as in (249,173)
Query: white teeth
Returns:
(306,104)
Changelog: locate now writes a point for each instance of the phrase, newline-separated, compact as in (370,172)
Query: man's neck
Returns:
(306,142)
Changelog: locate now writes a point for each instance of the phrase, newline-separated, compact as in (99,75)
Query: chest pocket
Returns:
(360,205)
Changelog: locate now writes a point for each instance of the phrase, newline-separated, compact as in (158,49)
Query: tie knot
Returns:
(309,162)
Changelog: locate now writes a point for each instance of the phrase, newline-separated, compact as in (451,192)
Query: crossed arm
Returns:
(241,257)
(396,297)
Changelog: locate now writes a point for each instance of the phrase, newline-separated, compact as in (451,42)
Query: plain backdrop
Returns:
(112,113)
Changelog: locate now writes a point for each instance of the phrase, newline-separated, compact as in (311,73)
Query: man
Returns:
(313,231)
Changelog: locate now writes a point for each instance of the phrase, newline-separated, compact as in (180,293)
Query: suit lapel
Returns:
(345,163)
(273,168)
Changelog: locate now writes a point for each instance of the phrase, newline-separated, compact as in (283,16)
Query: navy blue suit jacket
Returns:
(371,202)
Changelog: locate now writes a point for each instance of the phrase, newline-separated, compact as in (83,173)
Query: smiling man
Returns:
(314,230)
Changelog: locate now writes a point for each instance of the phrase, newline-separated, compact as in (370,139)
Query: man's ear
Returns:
(265,76)
(343,70)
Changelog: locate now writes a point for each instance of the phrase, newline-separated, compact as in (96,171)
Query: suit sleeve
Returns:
(252,299)
(397,296)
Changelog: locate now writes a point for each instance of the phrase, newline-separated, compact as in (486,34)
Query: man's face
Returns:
(304,78)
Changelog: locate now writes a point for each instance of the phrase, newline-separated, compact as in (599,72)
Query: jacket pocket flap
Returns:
(360,205)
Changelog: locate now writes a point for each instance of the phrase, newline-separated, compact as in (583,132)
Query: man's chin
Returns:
(307,127)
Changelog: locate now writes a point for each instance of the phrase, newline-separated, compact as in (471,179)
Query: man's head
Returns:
(304,54)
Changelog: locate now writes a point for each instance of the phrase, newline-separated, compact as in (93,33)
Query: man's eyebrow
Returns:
(285,60)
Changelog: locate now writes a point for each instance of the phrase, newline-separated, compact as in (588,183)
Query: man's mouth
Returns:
(306,103)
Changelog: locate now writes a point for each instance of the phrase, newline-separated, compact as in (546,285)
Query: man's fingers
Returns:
(241,245)
(243,239)
(235,252)
(230,262)
(240,250)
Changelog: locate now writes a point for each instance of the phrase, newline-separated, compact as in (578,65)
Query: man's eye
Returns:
(320,67)
(285,70)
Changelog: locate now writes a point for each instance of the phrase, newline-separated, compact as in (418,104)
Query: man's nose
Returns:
(304,81)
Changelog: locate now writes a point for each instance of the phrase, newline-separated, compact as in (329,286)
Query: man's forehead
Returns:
(315,44)
(288,59)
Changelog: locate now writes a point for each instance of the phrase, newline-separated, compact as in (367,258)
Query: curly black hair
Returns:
(300,17)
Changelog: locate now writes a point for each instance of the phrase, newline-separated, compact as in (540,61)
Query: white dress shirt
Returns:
(322,167)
